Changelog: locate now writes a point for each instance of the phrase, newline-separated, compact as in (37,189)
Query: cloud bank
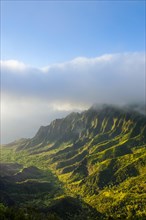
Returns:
(32,96)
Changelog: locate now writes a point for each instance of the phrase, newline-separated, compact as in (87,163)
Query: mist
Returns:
(31,97)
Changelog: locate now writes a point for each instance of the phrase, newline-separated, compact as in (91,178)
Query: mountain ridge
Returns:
(92,154)
(55,124)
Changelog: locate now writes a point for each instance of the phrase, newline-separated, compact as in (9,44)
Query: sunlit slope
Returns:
(107,140)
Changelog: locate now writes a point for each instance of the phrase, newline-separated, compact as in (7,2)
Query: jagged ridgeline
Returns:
(89,165)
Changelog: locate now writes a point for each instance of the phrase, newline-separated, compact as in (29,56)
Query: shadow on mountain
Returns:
(69,208)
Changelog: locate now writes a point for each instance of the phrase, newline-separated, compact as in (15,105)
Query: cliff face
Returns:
(108,120)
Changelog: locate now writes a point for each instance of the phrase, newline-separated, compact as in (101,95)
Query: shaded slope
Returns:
(26,186)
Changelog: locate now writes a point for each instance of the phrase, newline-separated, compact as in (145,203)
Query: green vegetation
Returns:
(86,166)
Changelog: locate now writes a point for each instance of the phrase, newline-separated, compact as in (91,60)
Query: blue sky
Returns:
(44,32)
(64,56)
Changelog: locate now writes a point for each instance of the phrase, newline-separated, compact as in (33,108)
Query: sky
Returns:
(63,56)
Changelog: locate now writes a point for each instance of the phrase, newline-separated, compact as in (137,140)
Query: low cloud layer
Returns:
(32,96)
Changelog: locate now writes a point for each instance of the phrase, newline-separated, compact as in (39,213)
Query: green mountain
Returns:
(89,165)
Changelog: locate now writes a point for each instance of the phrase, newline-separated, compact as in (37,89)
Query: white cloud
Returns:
(39,95)
(13,65)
